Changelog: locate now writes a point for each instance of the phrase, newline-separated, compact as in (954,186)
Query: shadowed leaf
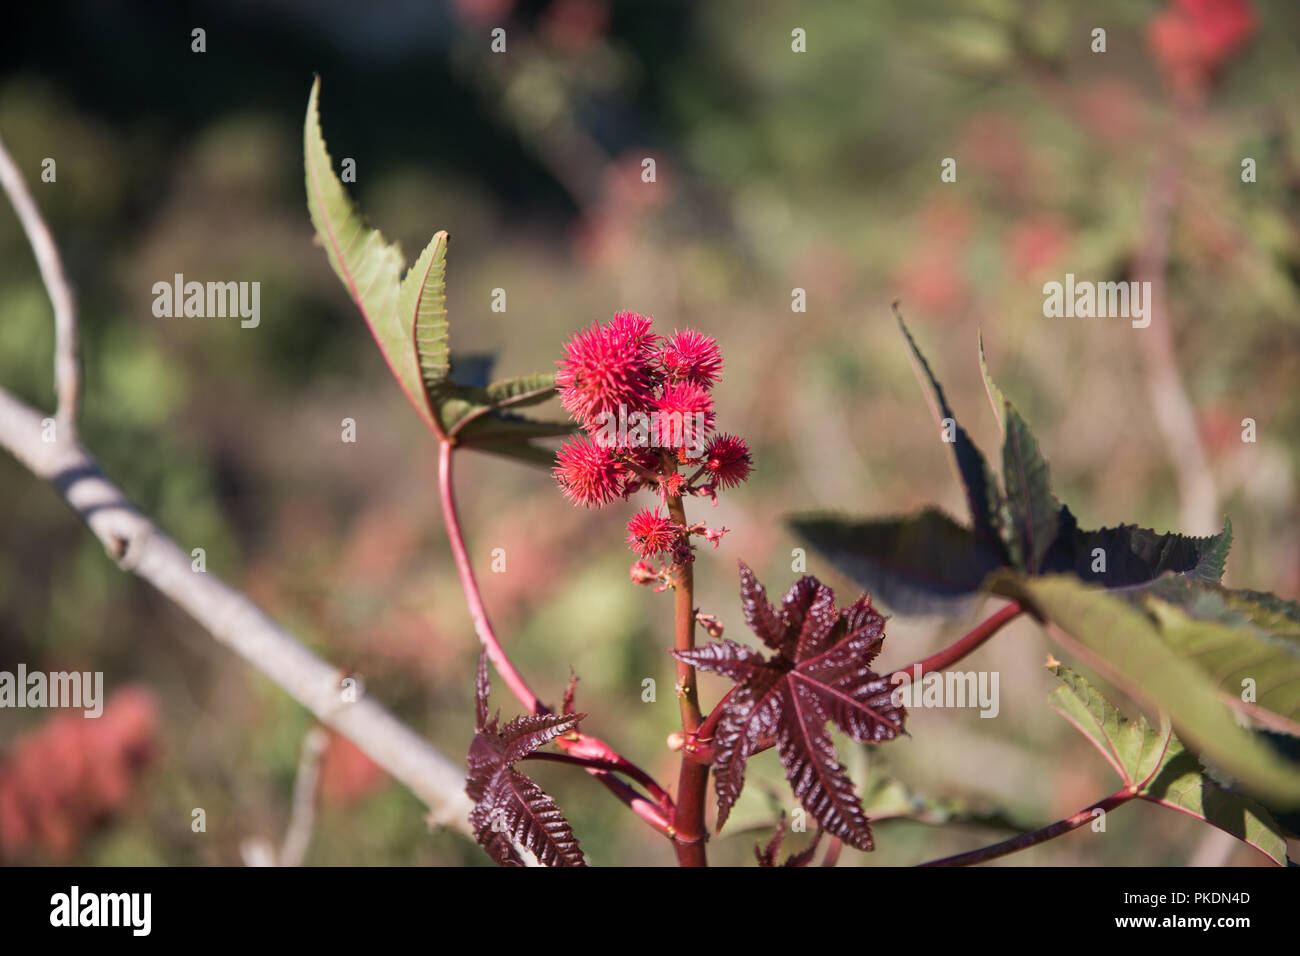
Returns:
(1033,509)
(981,489)
(921,564)
(1134,555)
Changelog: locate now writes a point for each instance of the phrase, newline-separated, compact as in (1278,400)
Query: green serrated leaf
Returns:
(1213,602)
(981,490)
(921,564)
(422,302)
(1155,761)
(1136,751)
(369,267)
(1033,508)
(1127,644)
(1236,654)
(497,427)
(521,392)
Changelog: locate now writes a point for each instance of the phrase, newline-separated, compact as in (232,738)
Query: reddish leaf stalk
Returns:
(477,611)
(1026,840)
(656,816)
(587,747)
(956,651)
(693,780)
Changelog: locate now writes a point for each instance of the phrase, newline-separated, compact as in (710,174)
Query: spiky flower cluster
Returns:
(645,404)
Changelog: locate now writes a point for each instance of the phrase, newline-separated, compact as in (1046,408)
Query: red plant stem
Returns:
(699,747)
(646,475)
(477,611)
(693,780)
(1026,840)
(594,752)
(833,850)
(954,652)
(656,816)
(698,471)
(589,747)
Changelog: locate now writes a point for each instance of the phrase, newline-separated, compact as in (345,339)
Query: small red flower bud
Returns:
(642,573)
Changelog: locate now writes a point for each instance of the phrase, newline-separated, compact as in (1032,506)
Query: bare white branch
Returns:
(67,364)
(140,547)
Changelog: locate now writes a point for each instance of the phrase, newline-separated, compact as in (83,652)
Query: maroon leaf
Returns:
(515,813)
(767,856)
(820,674)
(510,811)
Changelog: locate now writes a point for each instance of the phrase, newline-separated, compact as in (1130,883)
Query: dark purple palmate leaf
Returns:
(510,811)
(819,674)
(768,855)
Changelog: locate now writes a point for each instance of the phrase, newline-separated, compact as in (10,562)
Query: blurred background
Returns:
(775,170)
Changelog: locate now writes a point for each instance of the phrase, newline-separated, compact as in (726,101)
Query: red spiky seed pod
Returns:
(649,533)
(728,460)
(685,416)
(588,474)
(604,367)
(691,356)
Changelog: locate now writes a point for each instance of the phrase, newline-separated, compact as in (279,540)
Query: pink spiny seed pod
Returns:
(649,533)
(633,329)
(728,460)
(691,356)
(685,415)
(602,369)
(588,474)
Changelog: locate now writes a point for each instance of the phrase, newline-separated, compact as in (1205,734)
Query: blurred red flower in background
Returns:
(71,775)
(1192,39)
(347,775)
